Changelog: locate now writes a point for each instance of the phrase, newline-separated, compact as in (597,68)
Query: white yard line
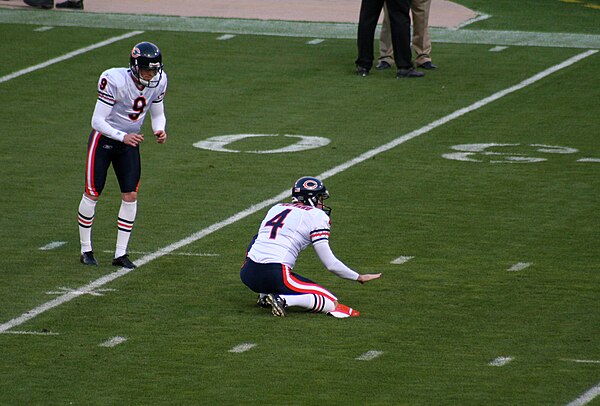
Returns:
(586,397)
(68,56)
(32,333)
(67,297)
(184,254)
(581,361)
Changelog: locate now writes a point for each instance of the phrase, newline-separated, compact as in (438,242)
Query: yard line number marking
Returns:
(67,297)
(504,153)
(219,142)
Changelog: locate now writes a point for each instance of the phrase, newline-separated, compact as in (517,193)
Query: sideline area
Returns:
(128,22)
(444,13)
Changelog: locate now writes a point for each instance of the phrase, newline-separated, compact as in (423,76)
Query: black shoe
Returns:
(382,65)
(360,71)
(87,258)
(409,73)
(124,262)
(427,65)
(278,305)
(45,4)
(262,302)
(75,4)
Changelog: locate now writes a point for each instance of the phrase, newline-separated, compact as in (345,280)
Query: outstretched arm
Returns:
(337,267)
(332,263)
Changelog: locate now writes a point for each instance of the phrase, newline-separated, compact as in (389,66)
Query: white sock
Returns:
(125,221)
(85,218)
(311,302)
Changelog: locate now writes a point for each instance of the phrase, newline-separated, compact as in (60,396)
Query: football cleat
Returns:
(124,262)
(87,258)
(262,302)
(342,311)
(277,305)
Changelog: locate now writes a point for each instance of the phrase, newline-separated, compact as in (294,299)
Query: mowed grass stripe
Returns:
(259,206)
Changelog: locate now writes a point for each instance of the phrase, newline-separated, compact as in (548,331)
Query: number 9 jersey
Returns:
(286,230)
(129,101)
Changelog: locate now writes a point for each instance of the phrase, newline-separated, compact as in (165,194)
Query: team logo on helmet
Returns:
(310,184)
(135,52)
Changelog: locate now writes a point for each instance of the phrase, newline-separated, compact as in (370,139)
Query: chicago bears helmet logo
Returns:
(135,52)
(310,184)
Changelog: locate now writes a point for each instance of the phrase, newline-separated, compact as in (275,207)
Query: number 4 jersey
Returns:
(286,230)
(128,100)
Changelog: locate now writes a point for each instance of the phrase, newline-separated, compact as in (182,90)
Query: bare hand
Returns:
(368,277)
(161,136)
(133,140)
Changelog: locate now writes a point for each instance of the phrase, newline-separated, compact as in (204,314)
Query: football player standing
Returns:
(286,230)
(125,95)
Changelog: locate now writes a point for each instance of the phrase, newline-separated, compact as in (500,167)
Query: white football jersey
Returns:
(129,100)
(286,230)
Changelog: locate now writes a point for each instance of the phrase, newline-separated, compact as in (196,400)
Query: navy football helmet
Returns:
(312,192)
(147,56)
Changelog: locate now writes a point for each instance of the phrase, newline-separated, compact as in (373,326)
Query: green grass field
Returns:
(497,206)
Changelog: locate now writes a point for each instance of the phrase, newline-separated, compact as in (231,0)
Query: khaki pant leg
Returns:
(386,49)
(421,41)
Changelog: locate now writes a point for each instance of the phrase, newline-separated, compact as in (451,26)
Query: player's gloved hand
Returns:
(368,277)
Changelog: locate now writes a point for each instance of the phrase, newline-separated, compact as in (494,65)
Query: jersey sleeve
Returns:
(320,228)
(99,123)
(163,90)
(107,88)
(107,91)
